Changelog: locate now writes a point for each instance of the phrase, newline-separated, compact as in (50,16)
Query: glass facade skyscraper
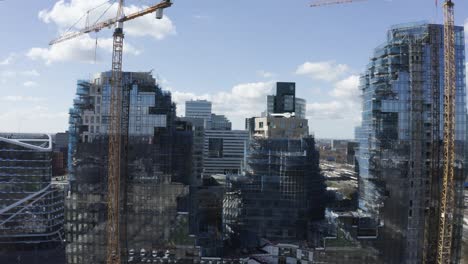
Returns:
(31,206)
(198,109)
(155,177)
(400,154)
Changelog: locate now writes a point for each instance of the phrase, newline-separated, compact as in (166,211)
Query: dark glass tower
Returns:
(155,182)
(400,153)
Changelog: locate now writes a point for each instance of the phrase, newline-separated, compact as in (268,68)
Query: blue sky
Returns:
(230,52)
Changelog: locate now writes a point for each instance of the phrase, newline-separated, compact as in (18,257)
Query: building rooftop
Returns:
(40,142)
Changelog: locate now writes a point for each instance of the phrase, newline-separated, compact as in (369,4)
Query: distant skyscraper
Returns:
(220,122)
(198,132)
(301,107)
(400,153)
(285,101)
(198,109)
(31,206)
(156,171)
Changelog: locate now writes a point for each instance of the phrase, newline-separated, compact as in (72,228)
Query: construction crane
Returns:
(447,195)
(447,198)
(118,122)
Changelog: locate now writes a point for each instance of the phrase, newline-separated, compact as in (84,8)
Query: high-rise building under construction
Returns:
(281,195)
(156,174)
(400,154)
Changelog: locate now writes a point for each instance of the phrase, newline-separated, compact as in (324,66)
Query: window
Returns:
(215,147)
(260,125)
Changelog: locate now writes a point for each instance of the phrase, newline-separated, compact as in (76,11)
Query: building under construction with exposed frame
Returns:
(400,154)
(156,174)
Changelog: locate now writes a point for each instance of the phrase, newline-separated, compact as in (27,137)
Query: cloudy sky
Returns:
(230,52)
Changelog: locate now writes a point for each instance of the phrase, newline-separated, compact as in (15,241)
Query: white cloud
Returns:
(8,60)
(347,88)
(65,13)
(32,118)
(327,110)
(148,25)
(345,103)
(243,100)
(323,70)
(8,74)
(68,14)
(81,49)
(20,98)
(265,74)
(30,73)
(466,30)
(29,84)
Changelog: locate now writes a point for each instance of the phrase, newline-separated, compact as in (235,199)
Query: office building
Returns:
(156,174)
(198,109)
(198,132)
(31,206)
(220,122)
(60,154)
(400,153)
(285,101)
(224,151)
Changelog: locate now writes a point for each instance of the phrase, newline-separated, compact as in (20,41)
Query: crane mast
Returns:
(115,134)
(118,127)
(447,199)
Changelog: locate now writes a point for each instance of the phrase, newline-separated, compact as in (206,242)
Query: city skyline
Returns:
(37,82)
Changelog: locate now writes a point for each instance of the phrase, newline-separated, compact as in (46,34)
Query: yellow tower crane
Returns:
(447,197)
(118,122)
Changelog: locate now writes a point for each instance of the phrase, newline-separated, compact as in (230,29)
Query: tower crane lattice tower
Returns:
(447,197)
(118,123)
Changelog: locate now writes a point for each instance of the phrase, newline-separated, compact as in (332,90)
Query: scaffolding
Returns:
(400,139)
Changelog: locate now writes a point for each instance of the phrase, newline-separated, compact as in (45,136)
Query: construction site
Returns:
(146,186)
(280,196)
(157,169)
